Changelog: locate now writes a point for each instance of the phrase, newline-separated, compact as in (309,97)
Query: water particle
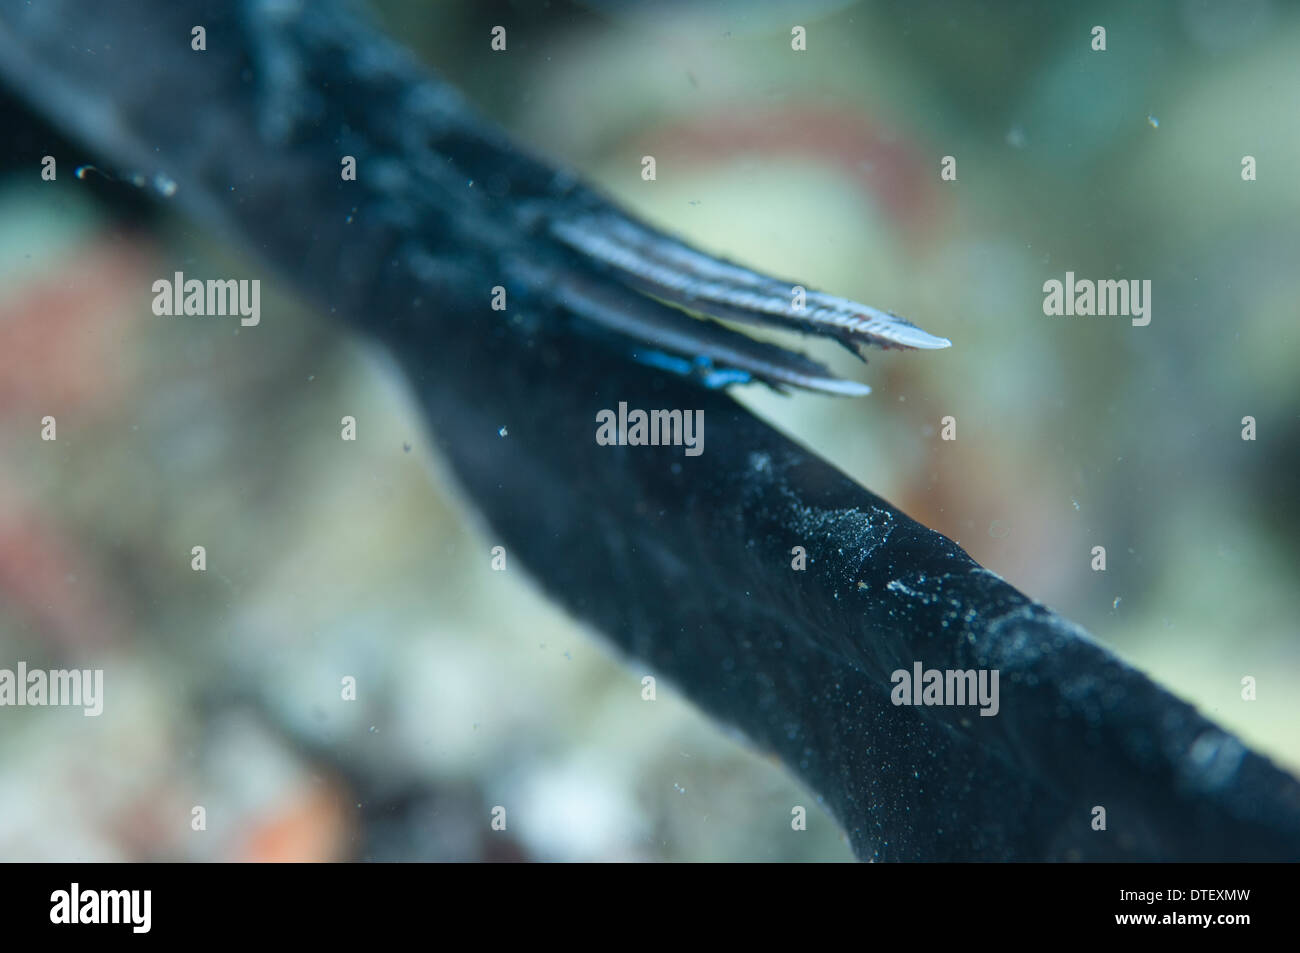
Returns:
(165,185)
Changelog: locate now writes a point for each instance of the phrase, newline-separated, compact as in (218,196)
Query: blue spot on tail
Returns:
(701,368)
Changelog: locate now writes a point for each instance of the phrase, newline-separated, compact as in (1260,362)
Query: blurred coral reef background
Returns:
(328,558)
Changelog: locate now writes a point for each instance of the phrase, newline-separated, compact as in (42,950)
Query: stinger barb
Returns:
(673,271)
